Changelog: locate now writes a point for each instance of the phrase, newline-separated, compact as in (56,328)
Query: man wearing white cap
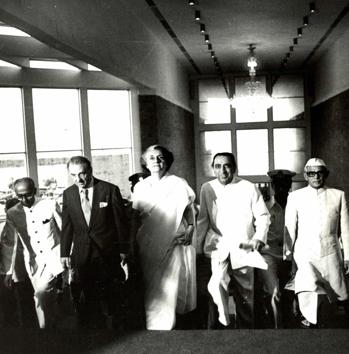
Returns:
(316,226)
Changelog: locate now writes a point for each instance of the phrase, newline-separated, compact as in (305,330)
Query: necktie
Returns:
(85,205)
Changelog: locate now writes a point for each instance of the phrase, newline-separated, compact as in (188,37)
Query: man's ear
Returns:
(305,176)
(34,190)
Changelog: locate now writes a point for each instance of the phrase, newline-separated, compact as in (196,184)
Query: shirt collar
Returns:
(36,201)
(89,186)
(317,191)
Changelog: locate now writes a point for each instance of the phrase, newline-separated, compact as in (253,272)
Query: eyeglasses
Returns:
(25,195)
(317,173)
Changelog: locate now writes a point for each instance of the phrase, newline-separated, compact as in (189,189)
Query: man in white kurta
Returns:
(316,228)
(37,222)
(232,213)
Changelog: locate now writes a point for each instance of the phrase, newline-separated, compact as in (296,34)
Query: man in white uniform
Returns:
(232,213)
(37,222)
(316,227)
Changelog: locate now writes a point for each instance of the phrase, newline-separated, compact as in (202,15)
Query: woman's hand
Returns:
(186,238)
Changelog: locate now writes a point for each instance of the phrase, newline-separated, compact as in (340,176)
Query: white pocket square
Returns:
(103,204)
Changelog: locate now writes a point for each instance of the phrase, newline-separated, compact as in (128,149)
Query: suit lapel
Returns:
(97,193)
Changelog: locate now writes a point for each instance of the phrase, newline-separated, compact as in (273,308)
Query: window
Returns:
(57,135)
(261,139)
(12,145)
(111,142)
(56,129)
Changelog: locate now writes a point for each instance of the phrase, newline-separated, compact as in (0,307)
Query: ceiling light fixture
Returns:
(202,28)
(256,97)
(191,3)
(312,8)
(305,21)
(209,46)
(291,48)
(207,38)
(212,54)
(299,32)
(197,16)
(295,41)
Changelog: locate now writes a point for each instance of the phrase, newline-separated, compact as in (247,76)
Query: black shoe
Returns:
(305,324)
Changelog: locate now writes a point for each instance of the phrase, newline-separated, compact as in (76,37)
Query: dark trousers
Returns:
(17,305)
(96,293)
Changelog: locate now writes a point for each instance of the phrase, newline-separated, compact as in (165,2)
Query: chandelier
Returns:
(254,96)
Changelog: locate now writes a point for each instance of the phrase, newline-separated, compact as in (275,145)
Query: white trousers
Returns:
(45,297)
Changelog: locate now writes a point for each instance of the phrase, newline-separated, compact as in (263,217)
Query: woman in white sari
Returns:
(165,204)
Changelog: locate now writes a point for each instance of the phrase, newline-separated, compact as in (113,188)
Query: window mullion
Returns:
(85,124)
(30,141)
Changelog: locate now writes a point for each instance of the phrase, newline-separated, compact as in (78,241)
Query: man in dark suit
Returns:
(94,241)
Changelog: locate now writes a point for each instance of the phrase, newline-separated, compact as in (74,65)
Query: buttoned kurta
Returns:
(230,215)
(316,227)
(38,228)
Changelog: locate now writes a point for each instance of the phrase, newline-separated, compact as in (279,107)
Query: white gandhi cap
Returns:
(315,162)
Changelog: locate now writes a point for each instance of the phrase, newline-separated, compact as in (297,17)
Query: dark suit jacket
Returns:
(108,229)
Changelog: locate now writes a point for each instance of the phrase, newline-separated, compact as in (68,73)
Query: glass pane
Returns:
(290,149)
(57,119)
(252,151)
(288,86)
(12,166)
(212,142)
(288,93)
(11,117)
(52,172)
(251,108)
(113,166)
(215,111)
(109,115)
(211,88)
(51,64)
(288,109)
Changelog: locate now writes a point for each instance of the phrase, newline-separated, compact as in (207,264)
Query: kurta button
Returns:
(33,221)
(38,241)
(40,251)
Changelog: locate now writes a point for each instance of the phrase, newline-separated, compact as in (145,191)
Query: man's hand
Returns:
(256,245)
(8,282)
(66,262)
(346,267)
(124,265)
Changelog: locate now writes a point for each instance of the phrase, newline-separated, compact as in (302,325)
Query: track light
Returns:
(295,41)
(197,16)
(212,54)
(202,28)
(288,55)
(207,38)
(312,7)
(291,48)
(305,21)
(299,31)
(191,2)
(209,46)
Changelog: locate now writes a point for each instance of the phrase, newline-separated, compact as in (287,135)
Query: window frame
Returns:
(29,78)
(233,127)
